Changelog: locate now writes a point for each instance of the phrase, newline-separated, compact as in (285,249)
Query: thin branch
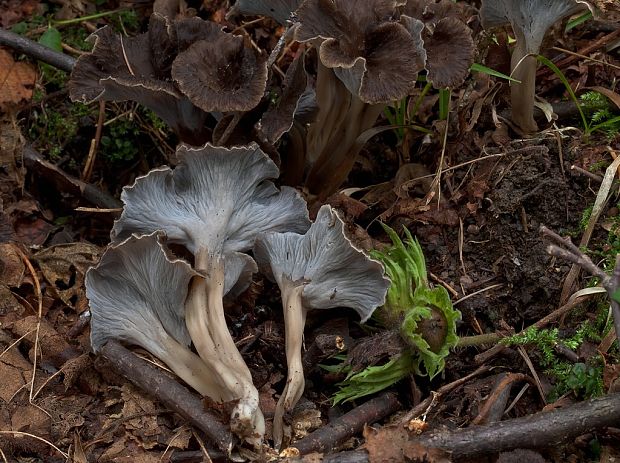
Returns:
(543,429)
(67,183)
(36,50)
(169,392)
(331,435)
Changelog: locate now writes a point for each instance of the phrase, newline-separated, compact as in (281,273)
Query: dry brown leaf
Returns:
(33,231)
(144,426)
(11,148)
(403,447)
(31,419)
(73,369)
(78,450)
(64,266)
(14,11)
(16,80)
(15,372)
(8,302)
(12,268)
(53,348)
(68,413)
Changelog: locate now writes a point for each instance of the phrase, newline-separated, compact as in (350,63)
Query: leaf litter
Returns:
(483,232)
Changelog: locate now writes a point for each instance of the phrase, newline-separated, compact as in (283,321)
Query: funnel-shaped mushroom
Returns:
(447,40)
(367,59)
(180,69)
(530,20)
(136,295)
(215,203)
(221,74)
(319,270)
(121,68)
(375,57)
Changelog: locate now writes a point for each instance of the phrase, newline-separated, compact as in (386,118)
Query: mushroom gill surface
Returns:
(136,295)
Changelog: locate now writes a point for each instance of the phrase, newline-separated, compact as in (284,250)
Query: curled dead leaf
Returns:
(17,80)
(64,266)
(402,447)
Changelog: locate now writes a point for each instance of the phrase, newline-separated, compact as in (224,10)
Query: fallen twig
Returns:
(66,183)
(169,392)
(331,435)
(591,47)
(611,283)
(423,406)
(543,429)
(485,356)
(36,50)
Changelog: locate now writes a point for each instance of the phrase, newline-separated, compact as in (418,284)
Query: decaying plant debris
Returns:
(180,208)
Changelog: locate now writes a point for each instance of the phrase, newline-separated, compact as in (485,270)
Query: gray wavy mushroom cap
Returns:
(333,271)
(529,18)
(135,293)
(216,198)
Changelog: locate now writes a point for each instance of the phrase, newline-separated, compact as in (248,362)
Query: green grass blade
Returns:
(444,103)
(492,72)
(556,70)
(578,20)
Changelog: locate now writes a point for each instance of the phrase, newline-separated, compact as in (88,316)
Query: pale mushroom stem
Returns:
(208,329)
(191,369)
(294,321)
(333,143)
(522,95)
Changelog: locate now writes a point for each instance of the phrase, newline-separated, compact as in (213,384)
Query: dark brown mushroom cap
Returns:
(530,19)
(334,273)
(112,55)
(449,53)
(136,294)
(118,69)
(221,75)
(280,10)
(278,119)
(376,58)
(447,40)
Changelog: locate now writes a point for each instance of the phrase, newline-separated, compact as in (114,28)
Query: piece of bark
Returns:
(331,435)
(169,392)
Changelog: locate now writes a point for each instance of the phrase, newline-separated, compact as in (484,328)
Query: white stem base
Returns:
(294,321)
(204,315)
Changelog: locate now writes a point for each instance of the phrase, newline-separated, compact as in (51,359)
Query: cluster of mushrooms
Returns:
(214,90)
(219,203)
(209,85)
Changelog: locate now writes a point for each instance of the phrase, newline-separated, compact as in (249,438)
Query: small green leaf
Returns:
(51,38)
